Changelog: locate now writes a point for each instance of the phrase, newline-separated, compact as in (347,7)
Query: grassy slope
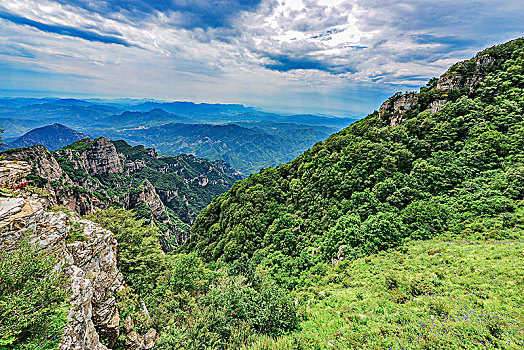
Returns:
(426,295)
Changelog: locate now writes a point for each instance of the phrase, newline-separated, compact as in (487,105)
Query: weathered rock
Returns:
(149,196)
(149,339)
(91,265)
(128,325)
(398,105)
(40,159)
(134,341)
(467,73)
(13,173)
(436,105)
(101,157)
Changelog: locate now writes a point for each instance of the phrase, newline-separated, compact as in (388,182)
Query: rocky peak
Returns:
(101,157)
(398,105)
(467,74)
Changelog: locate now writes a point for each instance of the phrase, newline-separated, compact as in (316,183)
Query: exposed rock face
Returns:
(101,158)
(149,196)
(90,264)
(13,174)
(466,74)
(41,160)
(436,105)
(398,105)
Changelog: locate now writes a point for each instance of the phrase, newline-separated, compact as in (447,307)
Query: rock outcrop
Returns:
(101,157)
(90,263)
(12,174)
(40,159)
(467,74)
(398,105)
(147,194)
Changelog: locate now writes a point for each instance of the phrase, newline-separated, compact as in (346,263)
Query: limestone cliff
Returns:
(90,262)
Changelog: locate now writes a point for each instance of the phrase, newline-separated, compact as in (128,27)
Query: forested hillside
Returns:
(445,160)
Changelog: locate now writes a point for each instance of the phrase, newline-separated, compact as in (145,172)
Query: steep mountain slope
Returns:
(52,137)
(446,159)
(245,149)
(96,174)
(58,275)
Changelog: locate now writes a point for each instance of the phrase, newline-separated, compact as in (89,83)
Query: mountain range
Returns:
(247,138)
(404,230)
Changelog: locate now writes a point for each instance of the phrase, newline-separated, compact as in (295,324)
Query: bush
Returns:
(33,310)
(382,231)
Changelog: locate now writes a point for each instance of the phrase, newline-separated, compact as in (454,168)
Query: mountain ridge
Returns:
(52,137)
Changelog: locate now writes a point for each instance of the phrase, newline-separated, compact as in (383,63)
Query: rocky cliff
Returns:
(466,75)
(87,254)
(95,174)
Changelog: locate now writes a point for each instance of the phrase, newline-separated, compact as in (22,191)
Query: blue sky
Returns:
(339,57)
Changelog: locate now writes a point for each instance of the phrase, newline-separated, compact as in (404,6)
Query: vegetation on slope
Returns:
(426,295)
(33,300)
(402,231)
(193,306)
(371,186)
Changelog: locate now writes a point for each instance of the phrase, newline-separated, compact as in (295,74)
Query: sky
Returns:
(336,57)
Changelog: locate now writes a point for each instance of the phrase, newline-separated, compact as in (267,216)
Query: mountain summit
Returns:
(52,137)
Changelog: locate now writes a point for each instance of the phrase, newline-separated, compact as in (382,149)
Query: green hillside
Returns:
(402,231)
(430,295)
(403,173)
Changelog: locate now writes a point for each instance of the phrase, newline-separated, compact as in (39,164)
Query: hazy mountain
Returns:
(246,149)
(52,137)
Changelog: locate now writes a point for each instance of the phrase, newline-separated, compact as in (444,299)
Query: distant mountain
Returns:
(52,137)
(247,138)
(180,107)
(234,113)
(75,115)
(14,128)
(247,150)
(151,118)
(71,102)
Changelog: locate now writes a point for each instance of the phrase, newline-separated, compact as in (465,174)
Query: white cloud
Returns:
(283,48)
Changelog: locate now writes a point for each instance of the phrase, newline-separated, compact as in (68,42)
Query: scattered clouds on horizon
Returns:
(324,55)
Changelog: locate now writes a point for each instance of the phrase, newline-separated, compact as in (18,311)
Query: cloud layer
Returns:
(333,56)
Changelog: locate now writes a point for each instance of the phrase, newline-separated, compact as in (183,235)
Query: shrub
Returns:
(32,300)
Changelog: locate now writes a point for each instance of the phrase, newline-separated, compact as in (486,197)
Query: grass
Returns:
(431,295)
(76,233)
